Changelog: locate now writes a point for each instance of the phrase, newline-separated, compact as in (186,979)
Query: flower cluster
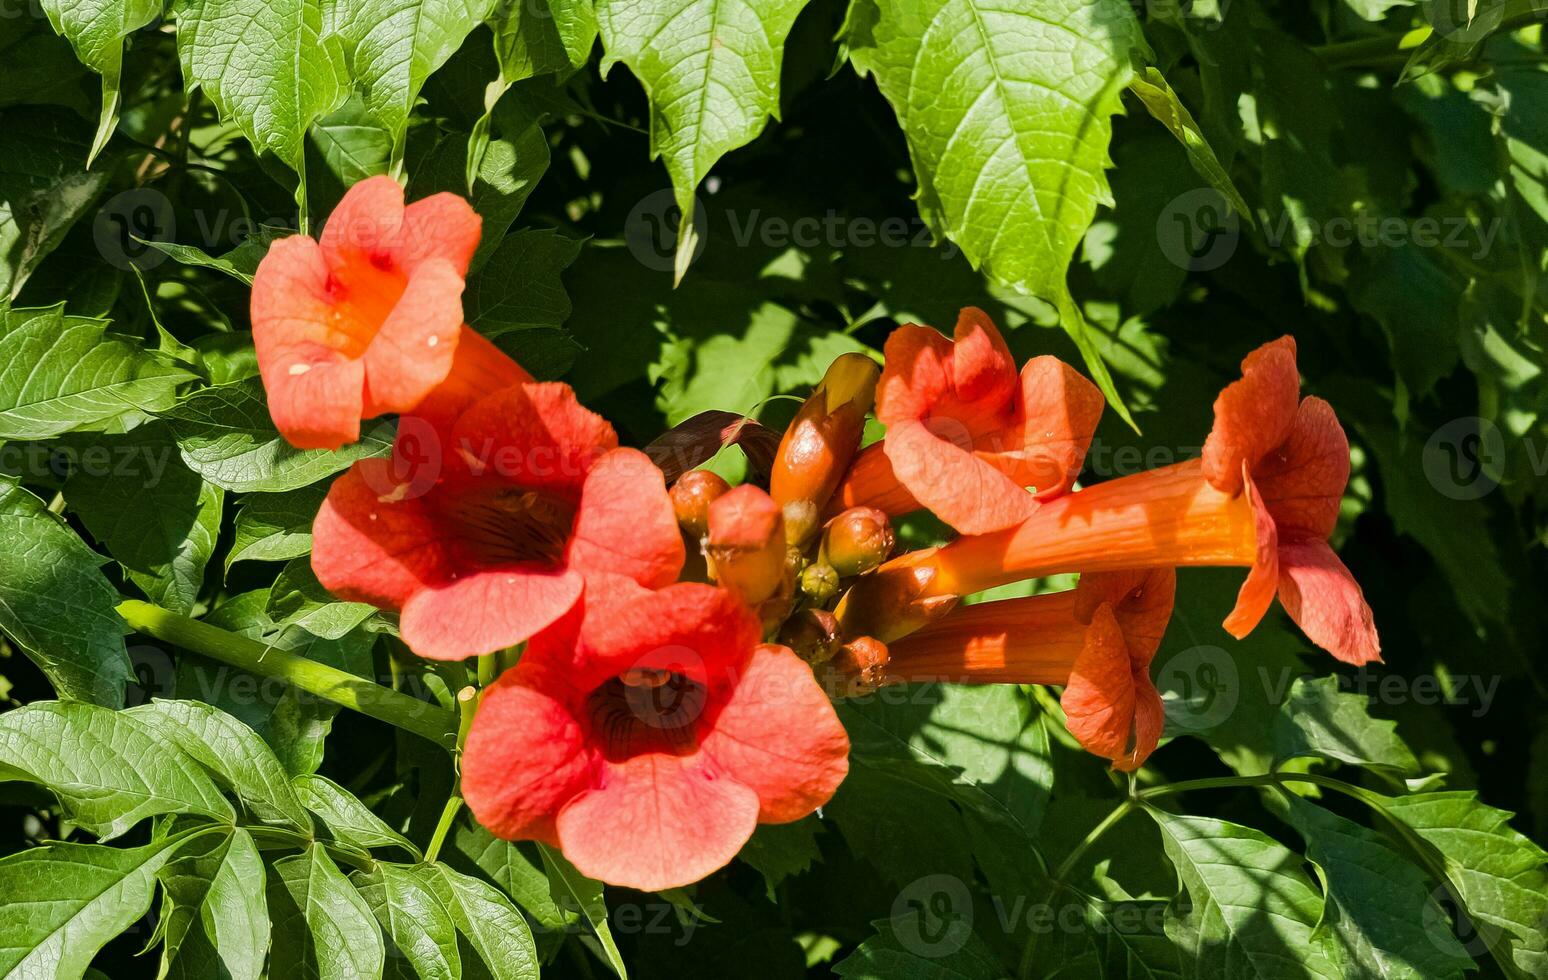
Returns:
(681,646)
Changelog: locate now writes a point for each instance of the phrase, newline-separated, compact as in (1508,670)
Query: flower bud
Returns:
(857,541)
(896,599)
(819,581)
(860,666)
(812,634)
(692,495)
(746,544)
(821,442)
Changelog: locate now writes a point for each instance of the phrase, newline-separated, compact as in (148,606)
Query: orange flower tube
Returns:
(1265,495)
(1096,641)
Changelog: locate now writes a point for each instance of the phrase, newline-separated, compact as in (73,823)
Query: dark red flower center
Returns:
(643,711)
(503,523)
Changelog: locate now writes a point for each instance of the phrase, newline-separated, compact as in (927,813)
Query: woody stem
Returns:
(342,688)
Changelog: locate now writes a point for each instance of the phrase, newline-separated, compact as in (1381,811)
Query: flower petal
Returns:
(695,629)
(959,487)
(777,733)
(915,376)
(1303,481)
(487,610)
(1099,700)
(375,542)
(535,435)
(1326,602)
(1252,415)
(1257,592)
(413,350)
(625,525)
(365,223)
(439,227)
(657,821)
(1141,600)
(1047,449)
(526,755)
(982,368)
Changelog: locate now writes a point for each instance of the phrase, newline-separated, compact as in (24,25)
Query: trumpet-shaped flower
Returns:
(532,499)
(1265,495)
(1096,640)
(966,436)
(366,321)
(648,733)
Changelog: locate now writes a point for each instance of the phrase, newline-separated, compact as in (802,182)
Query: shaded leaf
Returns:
(322,927)
(214,922)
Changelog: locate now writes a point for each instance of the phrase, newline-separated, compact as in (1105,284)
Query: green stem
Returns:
(1024,968)
(1390,48)
(448,817)
(1266,779)
(343,688)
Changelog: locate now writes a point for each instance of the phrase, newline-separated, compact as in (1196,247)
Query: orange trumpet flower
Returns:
(1265,495)
(1096,640)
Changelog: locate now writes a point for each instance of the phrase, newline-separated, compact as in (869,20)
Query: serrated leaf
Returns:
(518,869)
(55,603)
(520,288)
(1247,909)
(573,891)
(225,435)
(44,189)
(1381,908)
(418,927)
(60,373)
(322,927)
(65,901)
(270,67)
(711,70)
(1318,719)
(394,45)
(1500,876)
(486,920)
(108,770)
(298,599)
(233,752)
(539,37)
(348,819)
(276,526)
(1008,114)
(214,921)
(97,29)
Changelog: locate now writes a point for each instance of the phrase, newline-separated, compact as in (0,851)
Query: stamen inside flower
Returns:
(507,523)
(643,711)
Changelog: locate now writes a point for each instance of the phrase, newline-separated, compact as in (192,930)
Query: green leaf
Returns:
(351,145)
(911,946)
(233,752)
(520,288)
(1151,88)
(486,920)
(60,373)
(322,927)
(43,188)
(1380,908)
(55,76)
(271,68)
(574,891)
(213,919)
(539,37)
(781,850)
(225,434)
(299,600)
(1247,908)
(394,46)
(1008,115)
(153,514)
(55,603)
(348,819)
(276,526)
(1500,876)
(1318,719)
(711,70)
(65,901)
(518,869)
(418,927)
(96,29)
(108,770)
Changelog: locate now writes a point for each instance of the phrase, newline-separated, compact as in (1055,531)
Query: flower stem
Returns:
(448,817)
(343,688)
(1024,969)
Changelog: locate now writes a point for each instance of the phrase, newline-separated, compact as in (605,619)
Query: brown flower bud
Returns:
(857,541)
(821,442)
(692,495)
(896,599)
(860,666)
(812,634)
(746,543)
